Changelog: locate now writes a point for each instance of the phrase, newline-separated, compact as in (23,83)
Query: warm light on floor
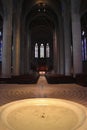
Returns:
(43,114)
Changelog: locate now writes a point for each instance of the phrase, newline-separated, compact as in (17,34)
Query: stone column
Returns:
(76,39)
(55,52)
(61,47)
(22,49)
(28,51)
(67,39)
(16,43)
(7,39)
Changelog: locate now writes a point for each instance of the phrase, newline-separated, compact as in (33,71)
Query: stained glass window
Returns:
(0,46)
(36,50)
(41,51)
(47,50)
(84,46)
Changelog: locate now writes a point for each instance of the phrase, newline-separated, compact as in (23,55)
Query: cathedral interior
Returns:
(43,50)
(43,35)
(59,24)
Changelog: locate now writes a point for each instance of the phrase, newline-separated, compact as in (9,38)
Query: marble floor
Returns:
(13,92)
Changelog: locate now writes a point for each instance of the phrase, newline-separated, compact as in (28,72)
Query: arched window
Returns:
(84,36)
(0,45)
(47,50)
(36,50)
(84,46)
(41,51)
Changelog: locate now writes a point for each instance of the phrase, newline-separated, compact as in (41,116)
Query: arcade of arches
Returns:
(60,23)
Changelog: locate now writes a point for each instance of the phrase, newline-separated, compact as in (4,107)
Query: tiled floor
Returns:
(13,92)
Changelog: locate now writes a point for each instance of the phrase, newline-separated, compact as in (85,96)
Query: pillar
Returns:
(22,49)
(61,47)
(67,39)
(28,51)
(16,43)
(55,52)
(7,39)
(76,39)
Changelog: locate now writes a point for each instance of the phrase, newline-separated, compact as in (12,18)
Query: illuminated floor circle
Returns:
(42,114)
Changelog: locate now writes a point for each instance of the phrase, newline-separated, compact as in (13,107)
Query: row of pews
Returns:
(80,79)
(51,78)
(21,79)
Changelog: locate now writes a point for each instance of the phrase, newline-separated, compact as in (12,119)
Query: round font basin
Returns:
(43,114)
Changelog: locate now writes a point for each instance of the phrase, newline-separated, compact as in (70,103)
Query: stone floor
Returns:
(13,92)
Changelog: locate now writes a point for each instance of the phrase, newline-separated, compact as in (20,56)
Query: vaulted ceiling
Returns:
(36,10)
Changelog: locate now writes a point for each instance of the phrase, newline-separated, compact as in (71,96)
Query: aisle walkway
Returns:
(12,92)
